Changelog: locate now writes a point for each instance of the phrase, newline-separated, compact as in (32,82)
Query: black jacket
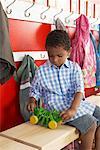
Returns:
(7,65)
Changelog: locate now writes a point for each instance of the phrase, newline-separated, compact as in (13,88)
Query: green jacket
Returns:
(25,76)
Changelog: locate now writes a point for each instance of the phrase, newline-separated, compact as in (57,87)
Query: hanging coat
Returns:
(59,25)
(98,62)
(83,51)
(24,76)
(7,65)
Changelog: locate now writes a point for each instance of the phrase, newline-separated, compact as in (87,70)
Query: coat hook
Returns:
(67,21)
(9,11)
(25,12)
(42,16)
(74,22)
(54,18)
(94,21)
(42,55)
(92,24)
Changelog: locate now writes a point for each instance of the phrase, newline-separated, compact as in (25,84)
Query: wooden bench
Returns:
(8,144)
(41,137)
(94,99)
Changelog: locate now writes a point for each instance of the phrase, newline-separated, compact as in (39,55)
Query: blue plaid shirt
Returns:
(58,86)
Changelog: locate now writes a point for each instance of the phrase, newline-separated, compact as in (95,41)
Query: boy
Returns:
(59,81)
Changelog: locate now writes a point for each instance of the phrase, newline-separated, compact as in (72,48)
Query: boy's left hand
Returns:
(68,114)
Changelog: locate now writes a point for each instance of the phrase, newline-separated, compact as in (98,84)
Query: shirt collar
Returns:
(65,64)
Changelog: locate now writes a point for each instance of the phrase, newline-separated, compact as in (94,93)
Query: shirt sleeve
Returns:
(36,88)
(79,81)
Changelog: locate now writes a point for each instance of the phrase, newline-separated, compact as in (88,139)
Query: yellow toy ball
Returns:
(52,124)
(33,119)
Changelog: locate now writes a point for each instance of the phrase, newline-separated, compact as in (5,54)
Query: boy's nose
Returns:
(55,59)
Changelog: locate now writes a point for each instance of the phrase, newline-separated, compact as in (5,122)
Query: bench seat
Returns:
(94,99)
(41,137)
(8,144)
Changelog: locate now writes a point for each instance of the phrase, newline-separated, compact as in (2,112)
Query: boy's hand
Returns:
(68,114)
(31,105)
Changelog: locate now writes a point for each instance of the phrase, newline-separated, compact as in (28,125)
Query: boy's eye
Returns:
(59,55)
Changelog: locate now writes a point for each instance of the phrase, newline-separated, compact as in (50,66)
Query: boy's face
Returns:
(57,55)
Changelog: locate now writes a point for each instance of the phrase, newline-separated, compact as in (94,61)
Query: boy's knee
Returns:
(94,125)
(91,123)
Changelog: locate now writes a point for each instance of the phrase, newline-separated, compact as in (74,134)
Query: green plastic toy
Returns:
(46,118)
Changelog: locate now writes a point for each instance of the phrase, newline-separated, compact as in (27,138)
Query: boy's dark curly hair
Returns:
(58,38)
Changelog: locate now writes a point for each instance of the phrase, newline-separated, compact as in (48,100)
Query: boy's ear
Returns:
(69,52)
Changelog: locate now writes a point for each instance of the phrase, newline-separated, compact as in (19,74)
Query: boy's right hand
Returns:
(31,104)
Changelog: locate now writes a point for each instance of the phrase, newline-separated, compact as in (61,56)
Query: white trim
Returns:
(24,86)
(37,55)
